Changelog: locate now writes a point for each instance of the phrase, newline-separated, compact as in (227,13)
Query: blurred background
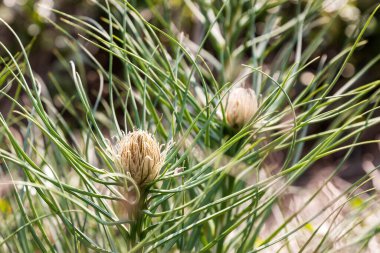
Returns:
(29,19)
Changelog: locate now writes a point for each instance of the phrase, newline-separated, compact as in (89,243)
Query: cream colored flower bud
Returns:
(240,106)
(140,154)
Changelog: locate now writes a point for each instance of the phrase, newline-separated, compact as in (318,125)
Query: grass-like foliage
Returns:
(221,188)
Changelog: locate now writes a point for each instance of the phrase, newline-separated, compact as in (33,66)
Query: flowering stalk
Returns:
(138,155)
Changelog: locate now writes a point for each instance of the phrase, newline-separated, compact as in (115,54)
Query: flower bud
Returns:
(240,106)
(139,154)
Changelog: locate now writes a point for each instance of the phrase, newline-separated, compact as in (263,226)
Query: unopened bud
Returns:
(240,106)
(139,154)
